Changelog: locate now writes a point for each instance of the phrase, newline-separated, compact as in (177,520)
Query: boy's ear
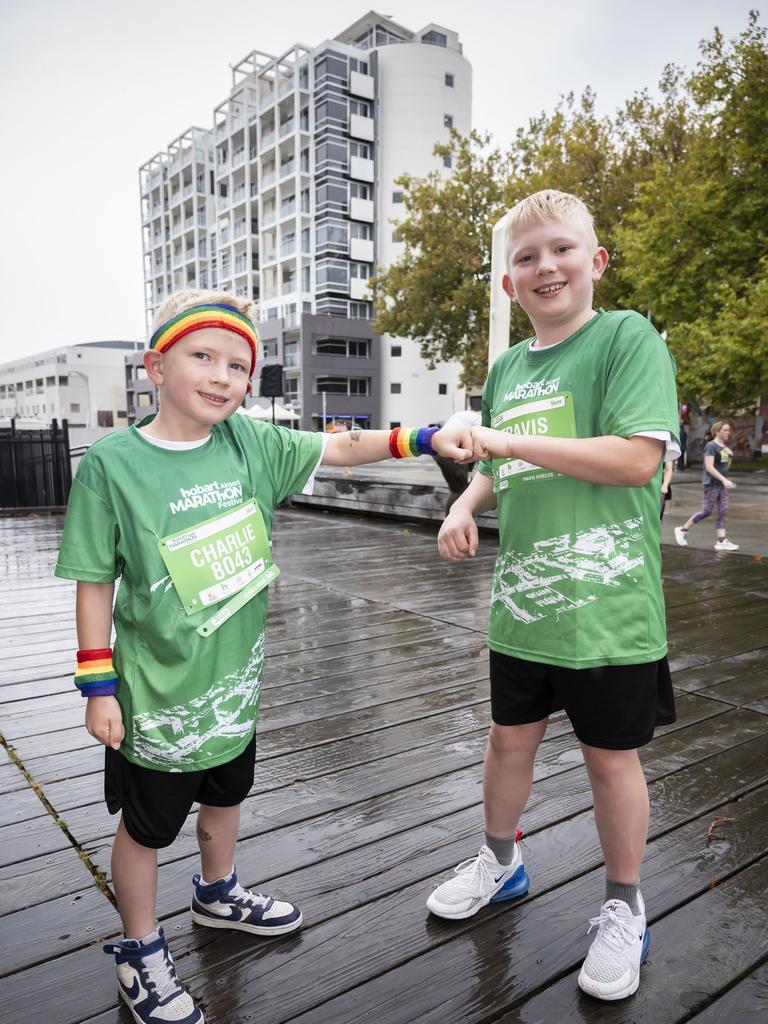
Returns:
(509,288)
(599,263)
(153,364)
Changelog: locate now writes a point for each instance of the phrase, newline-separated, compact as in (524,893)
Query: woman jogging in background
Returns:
(717,467)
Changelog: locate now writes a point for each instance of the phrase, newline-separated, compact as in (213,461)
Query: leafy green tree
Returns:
(438,291)
(694,241)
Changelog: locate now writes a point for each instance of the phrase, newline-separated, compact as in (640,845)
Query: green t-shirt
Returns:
(188,701)
(577,581)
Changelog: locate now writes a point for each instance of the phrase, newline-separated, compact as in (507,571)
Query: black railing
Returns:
(35,467)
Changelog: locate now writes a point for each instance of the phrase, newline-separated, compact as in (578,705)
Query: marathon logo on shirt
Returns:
(533,389)
(222,495)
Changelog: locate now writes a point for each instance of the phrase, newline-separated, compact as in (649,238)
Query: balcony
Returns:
(361,127)
(287,168)
(287,209)
(268,179)
(268,139)
(288,248)
(361,168)
(238,157)
(362,85)
(361,249)
(270,216)
(287,127)
(361,209)
(188,189)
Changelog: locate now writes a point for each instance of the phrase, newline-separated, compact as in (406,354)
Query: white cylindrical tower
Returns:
(423,90)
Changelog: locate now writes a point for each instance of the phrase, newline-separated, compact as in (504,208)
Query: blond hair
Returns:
(549,204)
(717,426)
(182,300)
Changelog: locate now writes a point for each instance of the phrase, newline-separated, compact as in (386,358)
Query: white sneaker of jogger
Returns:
(612,967)
(680,537)
(477,882)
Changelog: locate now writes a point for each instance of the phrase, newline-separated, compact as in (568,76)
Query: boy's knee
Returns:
(514,739)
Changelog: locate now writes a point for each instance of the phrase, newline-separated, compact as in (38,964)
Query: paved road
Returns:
(747,513)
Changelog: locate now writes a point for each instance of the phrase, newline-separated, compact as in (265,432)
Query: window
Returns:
(395,389)
(63,382)
(360,270)
(394,423)
(331,346)
(223,189)
(359,385)
(144,399)
(397,197)
(449,79)
(331,385)
(361,149)
(75,407)
(448,120)
(360,107)
(359,348)
(105,418)
(396,351)
(360,311)
(359,229)
(359,191)
(397,234)
(442,389)
(435,38)
(447,161)
(356,348)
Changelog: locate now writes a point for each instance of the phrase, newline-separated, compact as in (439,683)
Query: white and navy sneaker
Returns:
(681,536)
(146,980)
(612,967)
(479,881)
(226,904)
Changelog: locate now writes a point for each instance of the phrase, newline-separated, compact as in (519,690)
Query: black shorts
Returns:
(155,804)
(615,707)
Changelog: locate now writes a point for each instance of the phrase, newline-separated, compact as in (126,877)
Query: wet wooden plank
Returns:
(745,1003)
(697,951)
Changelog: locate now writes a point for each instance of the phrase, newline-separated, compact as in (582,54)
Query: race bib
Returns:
(552,416)
(219,559)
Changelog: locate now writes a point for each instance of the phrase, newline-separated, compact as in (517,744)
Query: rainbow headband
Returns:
(197,318)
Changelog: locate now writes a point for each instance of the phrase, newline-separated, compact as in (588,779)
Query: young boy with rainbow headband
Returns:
(576,423)
(180,507)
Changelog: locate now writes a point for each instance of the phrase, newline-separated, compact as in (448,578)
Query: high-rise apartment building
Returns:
(290,200)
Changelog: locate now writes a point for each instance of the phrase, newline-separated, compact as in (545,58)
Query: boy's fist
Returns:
(458,536)
(454,441)
(491,444)
(104,721)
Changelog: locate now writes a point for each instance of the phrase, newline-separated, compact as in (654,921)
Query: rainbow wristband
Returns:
(95,675)
(405,443)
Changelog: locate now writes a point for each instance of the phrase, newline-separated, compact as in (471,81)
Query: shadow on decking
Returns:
(368,790)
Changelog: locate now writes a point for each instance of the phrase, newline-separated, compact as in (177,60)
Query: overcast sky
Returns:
(89,90)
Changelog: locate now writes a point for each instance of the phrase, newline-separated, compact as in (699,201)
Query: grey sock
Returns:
(623,891)
(502,849)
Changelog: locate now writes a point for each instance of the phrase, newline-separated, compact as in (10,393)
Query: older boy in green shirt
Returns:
(180,507)
(576,421)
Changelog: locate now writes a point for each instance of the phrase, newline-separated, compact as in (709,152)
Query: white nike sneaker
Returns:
(226,904)
(680,537)
(477,882)
(726,545)
(612,967)
(147,983)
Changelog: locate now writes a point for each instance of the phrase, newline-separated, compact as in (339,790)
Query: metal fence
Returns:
(35,467)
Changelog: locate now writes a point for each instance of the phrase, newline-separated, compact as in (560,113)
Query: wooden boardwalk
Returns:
(368,790)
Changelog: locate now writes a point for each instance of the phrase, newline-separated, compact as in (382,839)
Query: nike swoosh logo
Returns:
(134,991)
